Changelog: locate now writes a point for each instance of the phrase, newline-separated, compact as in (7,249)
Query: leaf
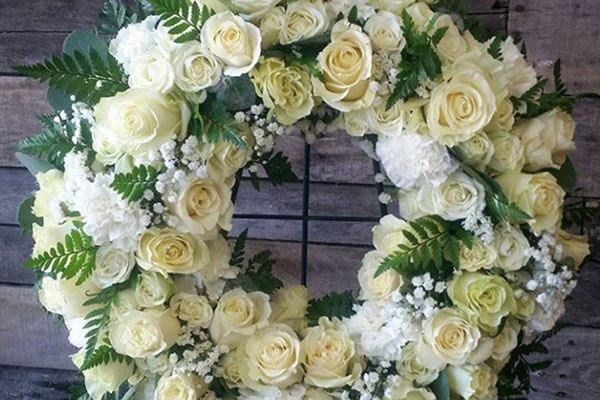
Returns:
(495,49)
(59,100)
(278,169)
(216,123)
(74,257)
(440,387)
(116,15)
(566,176)
(183,19)
(33,165)
(337,305)
(580,214)
(132,185)
(239,249)
(353,15)
(104,354)
(236,93)
(84,43)
(258,275)
(25,216)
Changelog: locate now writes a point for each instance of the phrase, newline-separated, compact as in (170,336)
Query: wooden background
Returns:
(34,351)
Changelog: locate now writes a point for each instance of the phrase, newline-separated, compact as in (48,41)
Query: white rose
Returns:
(405,390)
(105,378)
(273,358)
(153,289)
(511,246)
(113,266)
(546,139)
(461,106)
(233,41)
(410,368)
(303,19)
(46,202)
(387,121)
(472,382)
(107,152)
(126,302)
(380,288)
(223,158)
(506,341)
(452,45)
(194,309)
(140,120)
(180,387)
(233,366)
(196,68)
(238,315)
(509,153)
(384,30)
(396,6)
(152,70)
(539,195)
(165,250)
(253,9)
(213,274)
(346,65)
(521,74)
(448,337)
(574,247)
(355,123)
(64,297)
(317,394)
(203,205)
(477,151)
(289,305)
(409,206)
(270,24)
(140,334)
(504,118)
(420,12)
(387,235)
(456,198)
(328,355)
(479,256)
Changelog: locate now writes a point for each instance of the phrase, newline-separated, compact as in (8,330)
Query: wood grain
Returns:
(20,383)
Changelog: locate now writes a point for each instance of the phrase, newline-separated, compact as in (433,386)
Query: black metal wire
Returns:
(305,212)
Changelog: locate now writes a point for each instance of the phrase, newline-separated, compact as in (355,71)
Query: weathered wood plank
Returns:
(565,29)
(15,248)
(20,383)
(23,48)
(587,156)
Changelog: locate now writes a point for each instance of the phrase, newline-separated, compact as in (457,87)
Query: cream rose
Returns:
(452,45)
(448,337)
(456,198)
(525,305)
(485,298)
(153,289)
(140,334)
(461,106)
(64,297)
(411,369)
(506,341)
(212,276)
(385,32)
(479,256)
(273,358)
(289,305)
(546,139)
(271,23)
(233,41)
(472,382)
(152,70)
(477,151)
(511,246)
(328,355)
(317,394)
(203,205)
(396,6)
(46,204)
(105,378)
(380,288)
(355,123)
(196,68)
(509,153)
(387,235)
(521,74)
(126,302)
(191,308)
(180,387)
(574,247)
(504,118)
(233,367)
(238,315)
(113,266)
(252,9)
(539,195)
(346,66)
(387,121)
(167,251)
(420,12)
(223,158)
(407,391)
(303,19)
(137,121)
(286,91)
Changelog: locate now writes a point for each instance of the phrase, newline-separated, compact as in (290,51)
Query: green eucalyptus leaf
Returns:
(440,387)
(236,93)
(33,165)
(25,216)
(59,100)
(83,42)
(566,176)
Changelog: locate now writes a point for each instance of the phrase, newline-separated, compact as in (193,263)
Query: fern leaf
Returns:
(495,49)
(183,20)
(239,249)
(76,257)
(104,354)
(278,169)
(96,321)
(216,123)
(132,185)
(337,305)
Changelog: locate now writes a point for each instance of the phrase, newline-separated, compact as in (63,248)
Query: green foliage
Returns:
(419,59)
(580,214)
(213,122)
(132,185)
(76,257)
(258,272)
(32,164)
(55,141)
(183,19)
(495,49)
(566,176)
(25,216)
(431,242)
(104,354)
(514,379)
(536,101)
(278,169)
(116,15)
(353,15)
(77,390)
(440,387)
(471,23)
(332,305)
(86,75)
(236,93)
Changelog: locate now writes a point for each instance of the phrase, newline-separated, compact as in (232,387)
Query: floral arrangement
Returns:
(137,172)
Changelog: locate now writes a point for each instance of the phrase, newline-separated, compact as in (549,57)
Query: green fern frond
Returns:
(239,250)
(183,19)
(214,122)
(116,15)
(76,257)
(104,354)
(132,185)
(495,49)
(337,305)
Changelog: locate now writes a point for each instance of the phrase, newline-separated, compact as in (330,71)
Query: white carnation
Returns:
(133,40)
(411,158)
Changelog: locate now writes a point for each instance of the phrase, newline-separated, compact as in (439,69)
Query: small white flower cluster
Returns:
(263,130)
(82,113)
(386,71)
(367,386)
(481,226)
(420,298)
